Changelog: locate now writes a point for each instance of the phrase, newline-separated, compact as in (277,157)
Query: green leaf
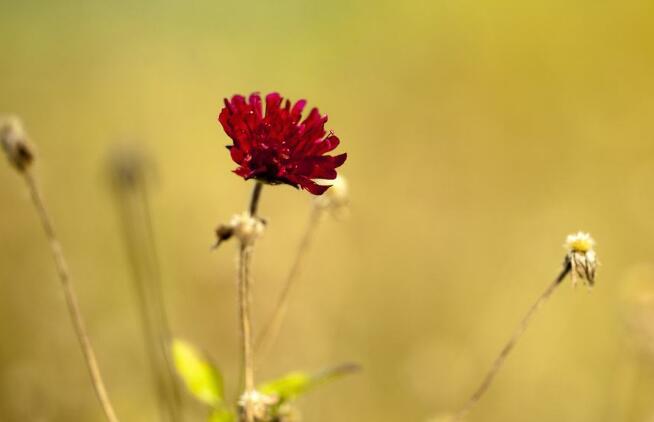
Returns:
(288,387)
(221,415)
(294,384)
(202,378)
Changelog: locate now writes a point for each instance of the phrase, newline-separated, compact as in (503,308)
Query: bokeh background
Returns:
(479,134)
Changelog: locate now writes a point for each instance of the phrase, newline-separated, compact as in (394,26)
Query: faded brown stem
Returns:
(508,347)
(271,330)
(71,296)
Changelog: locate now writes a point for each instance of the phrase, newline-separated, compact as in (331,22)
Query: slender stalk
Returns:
(164,331)
(244,281)
(508,347)
(134,210)
(254,199)
(271,330)
(71,296)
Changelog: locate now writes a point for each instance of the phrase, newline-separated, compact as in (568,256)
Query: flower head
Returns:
(582,257)
(278,146)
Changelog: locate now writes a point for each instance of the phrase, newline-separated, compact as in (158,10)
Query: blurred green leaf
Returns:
(294,384)
(222,415)
(202,378)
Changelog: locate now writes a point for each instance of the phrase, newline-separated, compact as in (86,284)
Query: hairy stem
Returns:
(244,281)
(508,347)
(71,297)
(271,330)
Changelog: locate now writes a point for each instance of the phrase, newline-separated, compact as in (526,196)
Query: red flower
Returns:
(277,147)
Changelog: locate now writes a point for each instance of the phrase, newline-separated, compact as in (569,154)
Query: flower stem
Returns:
(244,281)
(71,296)
(271,330)
(254,200)
(508,347)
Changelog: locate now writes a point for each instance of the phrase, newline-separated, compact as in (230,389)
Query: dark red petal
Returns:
(237,155)
(313,187)
(255,102)
(296,112)
(323,172)
(328,144)
(273,100)
(339,159)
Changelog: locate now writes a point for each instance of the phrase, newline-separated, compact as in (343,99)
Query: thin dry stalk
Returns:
(508,347)
(70,295)
(271,330)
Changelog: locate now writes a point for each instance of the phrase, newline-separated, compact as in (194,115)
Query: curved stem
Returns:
(508,347)
(71,297)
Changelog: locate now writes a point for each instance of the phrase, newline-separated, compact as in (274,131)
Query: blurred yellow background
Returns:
(479,134)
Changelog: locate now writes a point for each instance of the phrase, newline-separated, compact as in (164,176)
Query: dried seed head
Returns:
(262,406)
(267,408)
(245,227)
(582,257)
(336,197)
(15,142)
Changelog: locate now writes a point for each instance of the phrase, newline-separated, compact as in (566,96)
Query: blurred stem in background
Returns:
(270,332)
(128,174)
(21,155)
(508,347)
(335,200)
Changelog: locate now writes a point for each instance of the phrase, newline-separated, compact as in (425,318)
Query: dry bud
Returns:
(245,227)
(15,142)
(266,408)
(582,257)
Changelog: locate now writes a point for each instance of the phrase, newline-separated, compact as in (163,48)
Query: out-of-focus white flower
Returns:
(582,257)
(336,197)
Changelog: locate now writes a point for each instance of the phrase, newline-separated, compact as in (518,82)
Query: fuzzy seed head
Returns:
(247,228)
(579,242)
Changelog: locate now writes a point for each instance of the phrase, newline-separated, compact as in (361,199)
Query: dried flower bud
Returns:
(15,142)
(266,408)
(336,197)
(262,406)
(582,257)
(245,227)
